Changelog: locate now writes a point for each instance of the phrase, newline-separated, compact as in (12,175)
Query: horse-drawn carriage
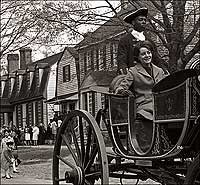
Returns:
(93,154)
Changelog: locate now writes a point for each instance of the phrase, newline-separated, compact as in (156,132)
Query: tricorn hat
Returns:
(133,15)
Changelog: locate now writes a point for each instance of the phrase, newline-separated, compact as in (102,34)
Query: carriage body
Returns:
(175,133)
(175,128)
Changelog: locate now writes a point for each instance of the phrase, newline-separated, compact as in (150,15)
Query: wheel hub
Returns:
(74,176)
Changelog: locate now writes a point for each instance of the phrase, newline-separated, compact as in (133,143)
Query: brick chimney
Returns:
(25,57)
(13,62)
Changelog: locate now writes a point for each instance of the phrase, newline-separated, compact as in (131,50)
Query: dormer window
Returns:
(21,73)
(39,72)
(11,82)
(66,73)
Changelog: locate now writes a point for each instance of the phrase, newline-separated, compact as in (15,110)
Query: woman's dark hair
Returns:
(156,59)
(147,44)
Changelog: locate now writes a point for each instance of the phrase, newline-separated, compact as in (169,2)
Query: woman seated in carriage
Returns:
(141,78)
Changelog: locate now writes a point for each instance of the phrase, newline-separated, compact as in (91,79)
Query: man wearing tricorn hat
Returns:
(125,58)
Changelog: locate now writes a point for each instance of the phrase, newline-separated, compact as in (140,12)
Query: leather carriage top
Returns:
(178,95)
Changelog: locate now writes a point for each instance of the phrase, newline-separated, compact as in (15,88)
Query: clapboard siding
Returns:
(64,88)
(103,57)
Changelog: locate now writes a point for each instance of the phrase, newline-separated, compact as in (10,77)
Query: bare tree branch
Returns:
(195,29)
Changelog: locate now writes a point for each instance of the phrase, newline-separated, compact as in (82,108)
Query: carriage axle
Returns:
(74,176)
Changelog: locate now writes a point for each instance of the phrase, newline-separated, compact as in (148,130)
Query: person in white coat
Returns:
(35,135)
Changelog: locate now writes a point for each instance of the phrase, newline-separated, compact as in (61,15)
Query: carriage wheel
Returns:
(193,172)
(79,153)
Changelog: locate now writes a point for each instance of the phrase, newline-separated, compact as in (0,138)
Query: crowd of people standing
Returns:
(29,135)
(12,137)
(33,135)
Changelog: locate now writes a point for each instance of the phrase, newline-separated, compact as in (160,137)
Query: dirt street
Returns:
(39,171)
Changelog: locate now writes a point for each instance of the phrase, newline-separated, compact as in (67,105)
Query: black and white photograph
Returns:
(100,92)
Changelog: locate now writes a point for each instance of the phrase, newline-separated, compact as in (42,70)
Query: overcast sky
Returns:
(38,54)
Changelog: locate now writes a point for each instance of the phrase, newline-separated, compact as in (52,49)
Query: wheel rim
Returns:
(79,151)
(197,178)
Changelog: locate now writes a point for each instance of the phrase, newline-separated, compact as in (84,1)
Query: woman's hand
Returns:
(124,92)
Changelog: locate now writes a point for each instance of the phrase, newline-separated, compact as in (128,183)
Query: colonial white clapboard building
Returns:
(25,89)
(66,89)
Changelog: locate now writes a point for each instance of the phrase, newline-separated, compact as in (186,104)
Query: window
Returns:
(19,116)
(85,101)
(114,54)
(38,112)
(89,63)
(103,99)
(88,60)
(2,119)
(64,108)
(90,103)
(29,115)
(72,106)
(66,73)
(100,57)
(85,62)
(96,64)
(104,57)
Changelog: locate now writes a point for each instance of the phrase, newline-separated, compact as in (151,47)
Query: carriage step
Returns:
(109,151)
(143,162)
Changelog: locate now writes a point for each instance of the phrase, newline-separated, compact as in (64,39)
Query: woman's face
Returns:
(145,56)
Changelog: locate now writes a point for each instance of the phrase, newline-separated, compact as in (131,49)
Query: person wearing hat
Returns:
(7,158)
(125,57)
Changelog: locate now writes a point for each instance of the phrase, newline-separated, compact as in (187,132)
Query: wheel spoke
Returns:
(82,138)
(76,143)
(88,145)
(93,174)
(66,162)
(91,160)
(87,182)
(66,140)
